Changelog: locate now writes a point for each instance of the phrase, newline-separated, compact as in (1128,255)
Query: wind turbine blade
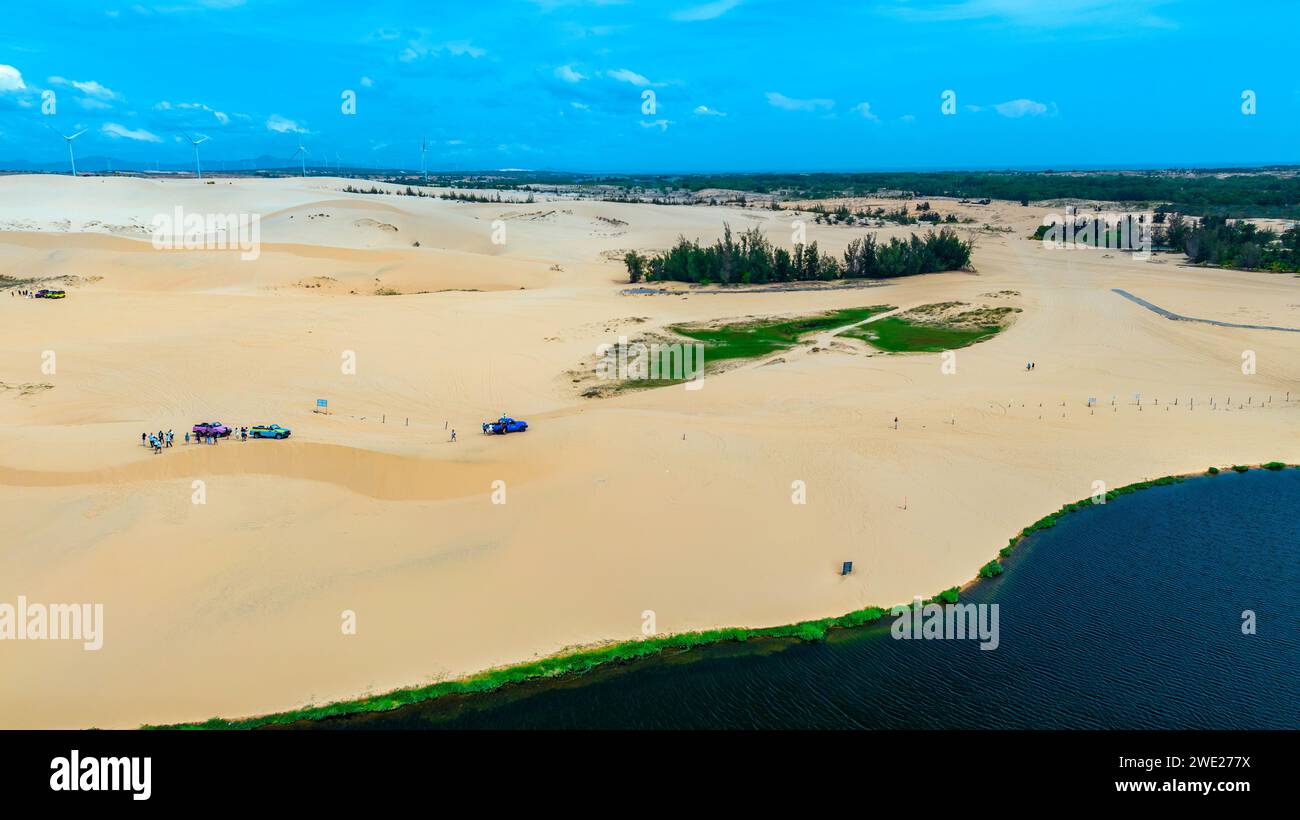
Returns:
(52,128)
(201,140)
(74,136)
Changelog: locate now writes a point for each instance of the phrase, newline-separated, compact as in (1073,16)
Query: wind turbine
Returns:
(195,143)
(68,139)
(424,146)
(302,151)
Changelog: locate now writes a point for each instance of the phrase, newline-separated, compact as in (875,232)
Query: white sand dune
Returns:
(668,500)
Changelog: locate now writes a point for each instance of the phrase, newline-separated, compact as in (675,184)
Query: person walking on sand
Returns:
(453,435)
(895,422)
(187,438)
(142,439)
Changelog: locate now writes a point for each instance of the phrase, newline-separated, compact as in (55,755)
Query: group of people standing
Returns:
(157,441)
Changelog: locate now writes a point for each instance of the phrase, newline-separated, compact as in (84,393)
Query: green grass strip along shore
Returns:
(576,663)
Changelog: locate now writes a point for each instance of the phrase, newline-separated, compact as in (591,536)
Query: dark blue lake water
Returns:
(1127,615)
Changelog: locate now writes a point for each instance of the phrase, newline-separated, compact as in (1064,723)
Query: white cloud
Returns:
(566,73)
(116,131)
(864,108)
(283,125)
(11,79)
(461,47)
(1020,108)
(419,49)
(1033,13)
(90,88)
(705,111)
(791,104)
(662,125)
(220,116)
(192,6)
(366,82)
(580,106)
(624,75)
(707,11)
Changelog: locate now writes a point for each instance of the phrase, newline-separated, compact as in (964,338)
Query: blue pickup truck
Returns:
(504,425)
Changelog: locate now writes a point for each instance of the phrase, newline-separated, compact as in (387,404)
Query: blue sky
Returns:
(737,84)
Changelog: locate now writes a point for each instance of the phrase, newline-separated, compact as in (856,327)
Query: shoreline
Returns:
(585,659)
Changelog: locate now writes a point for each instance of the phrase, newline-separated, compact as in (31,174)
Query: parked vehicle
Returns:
(55,294)
(269,431)
(211,428)
(504,425)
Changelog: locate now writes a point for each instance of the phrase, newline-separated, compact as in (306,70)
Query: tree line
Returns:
(754,260)
(1215,240)
(1261,192)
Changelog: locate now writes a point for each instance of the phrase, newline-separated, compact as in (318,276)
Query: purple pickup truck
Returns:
(211,428)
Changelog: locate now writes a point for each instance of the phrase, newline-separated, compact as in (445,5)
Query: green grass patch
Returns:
(934,328)
(896,335)
(745,339)
(751,339)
